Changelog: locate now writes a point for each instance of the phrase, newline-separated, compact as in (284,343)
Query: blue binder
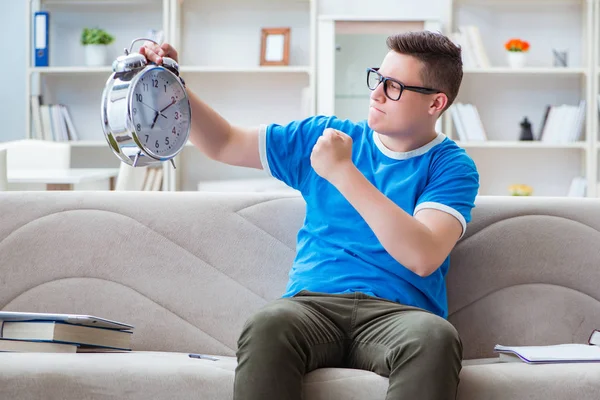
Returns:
(40,38)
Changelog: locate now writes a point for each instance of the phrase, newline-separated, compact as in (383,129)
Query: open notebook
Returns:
(561,353)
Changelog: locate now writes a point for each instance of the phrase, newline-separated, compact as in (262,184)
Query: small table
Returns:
(62,179)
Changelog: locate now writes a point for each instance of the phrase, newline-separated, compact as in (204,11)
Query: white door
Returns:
(345,49)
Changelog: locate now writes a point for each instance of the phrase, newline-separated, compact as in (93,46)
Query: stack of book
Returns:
(51,122)
(563,123)
(62,333)
(473,51)
(467,121)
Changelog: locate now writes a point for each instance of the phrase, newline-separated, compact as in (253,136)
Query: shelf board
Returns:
(99,2)
(257,69)
(72,70)
(526,71)
(88,143)
(512,3)
(500,144)
(295,69)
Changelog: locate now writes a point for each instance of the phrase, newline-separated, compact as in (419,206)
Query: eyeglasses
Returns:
(391,87)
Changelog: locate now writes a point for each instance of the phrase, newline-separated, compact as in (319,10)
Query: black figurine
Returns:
(526,133)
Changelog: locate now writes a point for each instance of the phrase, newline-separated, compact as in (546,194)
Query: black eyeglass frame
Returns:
(403,87)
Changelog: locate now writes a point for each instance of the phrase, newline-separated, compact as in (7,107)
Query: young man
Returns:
(387,199)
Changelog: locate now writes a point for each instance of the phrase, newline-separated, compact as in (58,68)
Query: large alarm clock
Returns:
(146,112)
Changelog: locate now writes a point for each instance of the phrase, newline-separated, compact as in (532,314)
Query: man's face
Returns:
(408,114)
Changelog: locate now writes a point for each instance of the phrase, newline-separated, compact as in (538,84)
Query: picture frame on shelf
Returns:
(275,46)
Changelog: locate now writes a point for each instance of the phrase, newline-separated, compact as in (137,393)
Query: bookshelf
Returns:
(218,44)
(219,53)
(504,95)
(595,93)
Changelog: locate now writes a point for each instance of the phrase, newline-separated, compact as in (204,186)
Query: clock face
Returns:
(160,112)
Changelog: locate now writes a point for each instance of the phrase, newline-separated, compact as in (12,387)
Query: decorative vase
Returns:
(95,55)
(516,59)
(526,133)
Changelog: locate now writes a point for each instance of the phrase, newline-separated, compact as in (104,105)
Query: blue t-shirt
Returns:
(337,252)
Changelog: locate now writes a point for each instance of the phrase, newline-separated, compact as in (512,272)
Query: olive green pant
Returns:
(420,352)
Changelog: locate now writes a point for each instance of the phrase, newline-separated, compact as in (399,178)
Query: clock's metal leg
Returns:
(173,163)
(137,157)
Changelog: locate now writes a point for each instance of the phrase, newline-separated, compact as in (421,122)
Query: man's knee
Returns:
(271,324)
(434,334)
(426,336)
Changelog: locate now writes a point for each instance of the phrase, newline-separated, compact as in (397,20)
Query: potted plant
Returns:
(516,52)
(96,41)
(520,190)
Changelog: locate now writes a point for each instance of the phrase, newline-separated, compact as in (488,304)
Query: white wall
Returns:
(12,47)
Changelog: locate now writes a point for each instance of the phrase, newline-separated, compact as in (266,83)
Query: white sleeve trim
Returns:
(262,148)
(446,209)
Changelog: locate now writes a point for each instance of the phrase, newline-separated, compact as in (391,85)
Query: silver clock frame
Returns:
(116,106)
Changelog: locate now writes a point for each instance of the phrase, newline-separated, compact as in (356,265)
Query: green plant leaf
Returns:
(96,36)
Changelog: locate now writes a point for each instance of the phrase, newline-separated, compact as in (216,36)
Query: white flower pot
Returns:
(516,59)
(95,55)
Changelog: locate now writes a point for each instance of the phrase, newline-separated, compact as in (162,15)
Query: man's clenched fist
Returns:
(332,155)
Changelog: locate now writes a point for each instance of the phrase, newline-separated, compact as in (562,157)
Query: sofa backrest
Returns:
(527,272)
(188,268)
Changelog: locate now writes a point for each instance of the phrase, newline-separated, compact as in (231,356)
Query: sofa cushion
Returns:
(165,375)
(515,381)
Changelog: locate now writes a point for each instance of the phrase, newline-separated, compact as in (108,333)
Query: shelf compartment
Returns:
(506,144)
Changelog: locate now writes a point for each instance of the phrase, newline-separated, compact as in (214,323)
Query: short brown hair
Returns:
(441,59)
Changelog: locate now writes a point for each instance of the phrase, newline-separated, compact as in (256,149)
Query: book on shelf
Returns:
(578,187)
(562,123)
(153,179)
(139,178)
(51,122)
(468,37)
(467,122)
(558,353)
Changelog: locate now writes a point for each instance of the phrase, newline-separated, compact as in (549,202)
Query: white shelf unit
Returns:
(219,42)
(218,45)
(68,81)
(595,93)
(504,96)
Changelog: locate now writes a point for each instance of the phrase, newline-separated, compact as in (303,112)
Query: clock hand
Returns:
(170,104)
(160,112)
(152,108)
(154,122)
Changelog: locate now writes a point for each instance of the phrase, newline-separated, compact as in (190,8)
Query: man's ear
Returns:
(438,103)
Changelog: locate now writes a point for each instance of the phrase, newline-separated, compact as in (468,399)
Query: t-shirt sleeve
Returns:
(285,149)
(452,188)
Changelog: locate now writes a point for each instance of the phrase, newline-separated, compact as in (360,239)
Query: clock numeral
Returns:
(167,140)
(176,114)
(165,88)
(147,136)
(172,99)
(138,97)
(138,127)
(174,131)
(155,83)
(134,111)
(156,144)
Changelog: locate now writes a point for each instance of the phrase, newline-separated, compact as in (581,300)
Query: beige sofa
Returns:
(187,269)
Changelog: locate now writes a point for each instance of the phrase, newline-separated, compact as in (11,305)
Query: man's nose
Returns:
(377,94)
